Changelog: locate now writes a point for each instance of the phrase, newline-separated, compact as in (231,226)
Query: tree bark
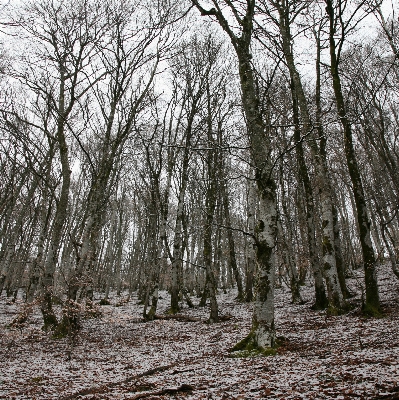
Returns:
(321,300)
(335,297)
(372,301)
(61,213)
(230,240)
(263,333)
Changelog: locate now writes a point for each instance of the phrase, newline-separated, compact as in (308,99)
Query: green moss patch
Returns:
(248,348)
(371,312)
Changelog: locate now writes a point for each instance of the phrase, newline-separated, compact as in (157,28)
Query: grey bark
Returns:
(263,330)
(335,296)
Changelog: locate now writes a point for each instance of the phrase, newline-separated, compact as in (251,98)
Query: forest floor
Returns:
(117,356)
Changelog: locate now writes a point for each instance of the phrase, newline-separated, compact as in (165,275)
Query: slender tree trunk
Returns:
(323,153)
(335,296)
(177,261)
(60,217)
(372,301)
(230,240)
(392,256)
(250,249)
(6,266)
(37,265)
(321,300)
(288,260)
(153,257)
(339,256)
(210,205)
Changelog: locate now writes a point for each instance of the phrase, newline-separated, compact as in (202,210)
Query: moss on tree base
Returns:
(248,348)
(61,331)
(343,309)
(68,326)
(172,311)
(50,322)
(372,312)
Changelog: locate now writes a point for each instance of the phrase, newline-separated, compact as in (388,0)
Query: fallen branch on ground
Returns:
(181,318)
(105,388)
(182,388)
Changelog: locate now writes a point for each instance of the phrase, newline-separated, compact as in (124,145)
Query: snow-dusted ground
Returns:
(119,357)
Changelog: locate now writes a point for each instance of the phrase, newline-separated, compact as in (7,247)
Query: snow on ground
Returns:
(117,356)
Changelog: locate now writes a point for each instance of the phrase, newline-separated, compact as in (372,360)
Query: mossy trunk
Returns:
(250,250)
(266,226)
(263,330)
(372,300)
(335,297)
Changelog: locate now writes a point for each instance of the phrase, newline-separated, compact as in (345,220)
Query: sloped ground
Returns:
(119,357)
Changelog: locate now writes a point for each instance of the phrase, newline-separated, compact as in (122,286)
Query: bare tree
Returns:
(263,332)
(336,22)
(64,42)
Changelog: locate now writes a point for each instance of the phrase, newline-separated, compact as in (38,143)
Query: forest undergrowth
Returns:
(118,356)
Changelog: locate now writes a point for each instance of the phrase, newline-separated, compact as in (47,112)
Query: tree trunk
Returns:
(153,257)
(210,205)
(230,240)
(262,334)
(372,301)
(321,300)
(177,260)
(335,297)
(250,246)
(60,217)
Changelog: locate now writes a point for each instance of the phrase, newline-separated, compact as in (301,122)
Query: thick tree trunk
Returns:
(263,330)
